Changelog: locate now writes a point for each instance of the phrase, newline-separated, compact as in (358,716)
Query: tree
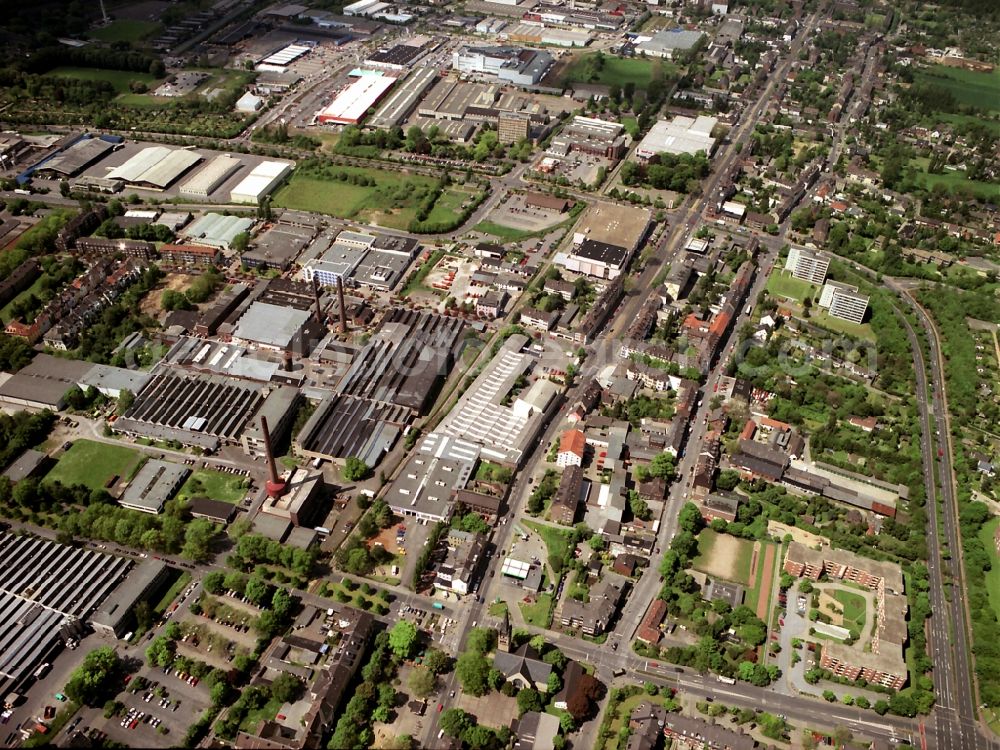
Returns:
(240,242)
(455,722)
(171,299)
(473,673)
(198,540)
(287,688)
(422,682)
(97,679)
(160,652)
(403,638)
(581,703)
(437,661)
(529,699)
(257,590)
(690,519)
(663,466)
(354,469)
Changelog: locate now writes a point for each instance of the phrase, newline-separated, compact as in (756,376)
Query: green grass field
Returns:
(449,205)
(787,286)
(953,179)
(539,613)
(390,202)
(120,79)
(229,488)
(854,609)
(94,464)
(822,318)
(181,580)
(505,233)
(980,90)
(125,30)
(993,576)
(615,70)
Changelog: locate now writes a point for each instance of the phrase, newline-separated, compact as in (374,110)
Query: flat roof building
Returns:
(351,105)
(272,326)
(302,499)
(261,182)
(681,135)
(155,483)
(117,615)
(28,464)
(279,410)
(806,265)
(670,43)
(277,247)
(424,489)
(520,66)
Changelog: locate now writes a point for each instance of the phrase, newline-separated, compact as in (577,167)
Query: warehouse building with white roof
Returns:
(682,135)
(210,177)
(351,105)
(263,179)
(156,167)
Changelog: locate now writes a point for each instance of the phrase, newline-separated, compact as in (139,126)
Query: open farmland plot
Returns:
(980,90)
(388,198)
(95,464)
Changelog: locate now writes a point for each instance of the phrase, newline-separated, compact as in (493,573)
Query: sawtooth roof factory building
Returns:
(504,432)
(199,410)
(47,590)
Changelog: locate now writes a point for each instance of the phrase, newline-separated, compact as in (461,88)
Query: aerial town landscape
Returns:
(500,374)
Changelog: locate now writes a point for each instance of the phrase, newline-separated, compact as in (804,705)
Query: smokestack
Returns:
(288,362)
(319,308)
(343,307)
(275,486)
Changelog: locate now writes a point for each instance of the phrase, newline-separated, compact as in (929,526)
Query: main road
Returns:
(955,712)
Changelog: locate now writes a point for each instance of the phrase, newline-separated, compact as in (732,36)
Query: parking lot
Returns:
(158,708)
(512,212)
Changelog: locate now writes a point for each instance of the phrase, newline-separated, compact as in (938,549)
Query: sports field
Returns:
(724,556)
(980,90)
(125,30)
(94,464)
(120,79)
